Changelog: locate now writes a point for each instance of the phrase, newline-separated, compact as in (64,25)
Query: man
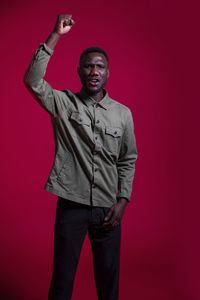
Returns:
(93,169)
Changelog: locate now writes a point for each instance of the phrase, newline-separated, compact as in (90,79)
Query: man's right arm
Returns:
(33,78)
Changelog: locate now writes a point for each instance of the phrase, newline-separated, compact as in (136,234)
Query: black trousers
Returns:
(73,222)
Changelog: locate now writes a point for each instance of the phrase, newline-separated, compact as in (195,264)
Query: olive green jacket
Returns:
(95,147)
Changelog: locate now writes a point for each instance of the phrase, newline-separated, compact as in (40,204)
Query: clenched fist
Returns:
(64,24)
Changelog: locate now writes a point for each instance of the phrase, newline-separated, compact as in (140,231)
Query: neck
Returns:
(96,96)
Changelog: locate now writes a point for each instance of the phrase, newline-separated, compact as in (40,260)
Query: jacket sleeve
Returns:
(126,161)
(42,91)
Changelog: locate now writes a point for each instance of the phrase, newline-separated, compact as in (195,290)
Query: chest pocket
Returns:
(112,139)
(80,124)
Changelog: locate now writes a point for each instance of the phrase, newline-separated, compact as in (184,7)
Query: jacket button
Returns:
(93,185)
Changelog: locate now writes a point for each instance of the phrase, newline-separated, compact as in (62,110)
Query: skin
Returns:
(92,66)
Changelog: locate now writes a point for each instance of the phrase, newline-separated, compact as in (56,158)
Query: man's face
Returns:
(93,72)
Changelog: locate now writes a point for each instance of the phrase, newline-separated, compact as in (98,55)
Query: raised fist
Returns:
(63,24)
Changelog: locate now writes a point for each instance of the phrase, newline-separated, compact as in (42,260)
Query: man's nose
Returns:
(94,71)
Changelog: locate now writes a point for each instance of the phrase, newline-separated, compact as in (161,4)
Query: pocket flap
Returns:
(114,131)
(79,118)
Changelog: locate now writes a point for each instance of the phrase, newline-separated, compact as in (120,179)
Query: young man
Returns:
(93,169)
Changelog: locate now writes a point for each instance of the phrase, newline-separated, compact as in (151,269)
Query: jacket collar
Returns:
(88,100)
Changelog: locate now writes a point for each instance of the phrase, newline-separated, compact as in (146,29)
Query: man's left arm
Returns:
(126,170)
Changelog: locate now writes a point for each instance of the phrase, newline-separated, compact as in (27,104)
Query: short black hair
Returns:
(94,49)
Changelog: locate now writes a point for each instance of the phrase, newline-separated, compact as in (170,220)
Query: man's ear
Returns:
(78,71)
(108,73)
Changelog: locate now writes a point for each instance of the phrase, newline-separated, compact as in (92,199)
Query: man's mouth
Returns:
(92,82)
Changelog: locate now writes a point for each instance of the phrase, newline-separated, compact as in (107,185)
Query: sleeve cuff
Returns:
(120,196)
(46,48)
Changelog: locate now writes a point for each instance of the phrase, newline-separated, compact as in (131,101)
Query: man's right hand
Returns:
(64,24)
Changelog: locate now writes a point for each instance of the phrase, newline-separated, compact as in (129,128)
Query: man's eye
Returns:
(101,66)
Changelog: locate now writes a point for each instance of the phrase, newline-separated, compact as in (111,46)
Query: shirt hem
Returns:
(76,197)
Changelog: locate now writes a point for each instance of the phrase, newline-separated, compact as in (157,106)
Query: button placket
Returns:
(95,158)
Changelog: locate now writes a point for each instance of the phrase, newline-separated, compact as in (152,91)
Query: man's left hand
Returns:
(115,214)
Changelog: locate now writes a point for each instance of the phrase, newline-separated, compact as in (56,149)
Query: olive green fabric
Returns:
(95,147)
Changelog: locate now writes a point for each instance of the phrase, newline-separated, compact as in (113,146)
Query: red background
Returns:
(154,60)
